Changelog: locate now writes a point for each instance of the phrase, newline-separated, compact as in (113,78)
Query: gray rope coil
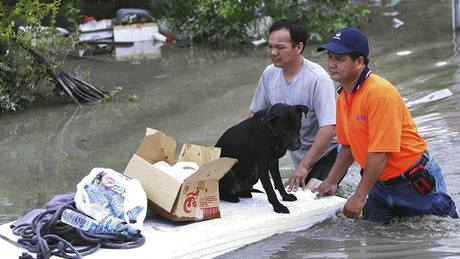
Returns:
(47,236)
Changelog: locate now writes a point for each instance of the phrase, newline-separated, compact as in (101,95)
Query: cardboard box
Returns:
(193,199)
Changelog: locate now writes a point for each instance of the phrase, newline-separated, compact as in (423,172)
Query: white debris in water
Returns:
(403,53)
(390,13)
(422,79)
(259,42)
(441,64)
(434,96)
(397,23)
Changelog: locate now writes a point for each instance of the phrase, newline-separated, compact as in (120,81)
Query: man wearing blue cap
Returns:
(293,79)
(375,128)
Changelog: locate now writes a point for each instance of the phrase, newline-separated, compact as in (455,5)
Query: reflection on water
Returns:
(138,51)
(194,94)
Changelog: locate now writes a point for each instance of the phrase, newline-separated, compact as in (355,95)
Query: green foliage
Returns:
(227,21)
(20,75)
(69,15)
(208,21)
(322,18)
(32,13)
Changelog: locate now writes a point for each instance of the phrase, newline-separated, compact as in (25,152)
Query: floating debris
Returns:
(404,53)
(434,96)
(394,13)
(397,23)
(77,89)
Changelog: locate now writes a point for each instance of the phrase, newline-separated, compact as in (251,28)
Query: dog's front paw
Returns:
(245,194)
(289,197)
(280,208)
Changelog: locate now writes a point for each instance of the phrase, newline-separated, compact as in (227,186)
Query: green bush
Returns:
(208,21)
(20,75)
(69,15)
(322,18)
(227,21)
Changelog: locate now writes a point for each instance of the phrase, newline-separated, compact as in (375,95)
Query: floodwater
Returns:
(195,94)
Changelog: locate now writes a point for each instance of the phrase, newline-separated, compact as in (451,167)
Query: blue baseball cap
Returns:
(347,40)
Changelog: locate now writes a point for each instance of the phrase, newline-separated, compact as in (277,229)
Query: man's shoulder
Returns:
(315,69)
(378,83)
(271,74)
(271,69)
(379,86)
(376,79)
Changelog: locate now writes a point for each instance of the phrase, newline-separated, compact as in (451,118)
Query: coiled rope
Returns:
(47,236)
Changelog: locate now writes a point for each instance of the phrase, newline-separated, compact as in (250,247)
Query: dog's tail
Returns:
(255,190)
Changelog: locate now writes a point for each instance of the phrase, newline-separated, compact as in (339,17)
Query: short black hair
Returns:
(297,31)
(355,55)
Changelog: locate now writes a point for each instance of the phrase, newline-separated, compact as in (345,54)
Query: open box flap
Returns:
(157,146)
(198,154)
(213,170)
(160,188)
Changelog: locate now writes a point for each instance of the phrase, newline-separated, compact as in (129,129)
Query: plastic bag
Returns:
(105,192)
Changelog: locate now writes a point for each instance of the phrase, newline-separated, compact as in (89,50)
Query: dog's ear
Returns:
(269,115)
(267,118)
(303,109)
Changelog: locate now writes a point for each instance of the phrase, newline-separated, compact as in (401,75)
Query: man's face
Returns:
(342,68)
(280,48)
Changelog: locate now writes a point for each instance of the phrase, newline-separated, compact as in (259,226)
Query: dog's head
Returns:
(284,121)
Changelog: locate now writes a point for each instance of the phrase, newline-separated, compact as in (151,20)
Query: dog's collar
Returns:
(268,122)
(276,136)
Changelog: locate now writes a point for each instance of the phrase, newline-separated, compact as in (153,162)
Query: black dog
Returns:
(258,143)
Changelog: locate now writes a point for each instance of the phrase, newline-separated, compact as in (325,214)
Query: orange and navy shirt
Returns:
(374,118)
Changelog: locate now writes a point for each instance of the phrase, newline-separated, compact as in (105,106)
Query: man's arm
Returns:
(261,99)
(338,171)
(375,163)
(320,144)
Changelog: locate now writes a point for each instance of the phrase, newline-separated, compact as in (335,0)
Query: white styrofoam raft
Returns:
(240,224)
